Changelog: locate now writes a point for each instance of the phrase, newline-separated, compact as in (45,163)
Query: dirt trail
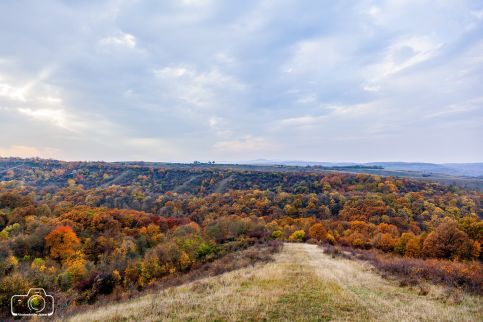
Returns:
(220,188)
(185,184)
(116,179)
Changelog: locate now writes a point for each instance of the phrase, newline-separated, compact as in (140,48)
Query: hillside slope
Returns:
(302,284)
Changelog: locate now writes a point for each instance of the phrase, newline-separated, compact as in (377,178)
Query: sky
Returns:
(189,80)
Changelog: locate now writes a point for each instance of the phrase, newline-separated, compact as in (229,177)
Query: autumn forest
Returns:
(91,230)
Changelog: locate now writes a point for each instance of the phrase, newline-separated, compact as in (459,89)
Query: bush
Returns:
(297,236)
(454,274)
(65,281)
(104,284)
(330,238)
(204,250)
(277,234)
(11,285)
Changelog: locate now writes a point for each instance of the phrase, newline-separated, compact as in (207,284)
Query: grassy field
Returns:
(302,284)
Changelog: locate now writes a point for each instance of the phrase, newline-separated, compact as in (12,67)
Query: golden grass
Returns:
(384,300)
(302,284)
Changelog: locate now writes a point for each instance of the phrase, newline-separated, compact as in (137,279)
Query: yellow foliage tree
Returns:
(76,265)
(184,261)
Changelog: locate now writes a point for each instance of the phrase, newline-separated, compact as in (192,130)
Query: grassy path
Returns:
(302,284)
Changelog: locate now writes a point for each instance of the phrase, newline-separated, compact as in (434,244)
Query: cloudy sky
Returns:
(241,80)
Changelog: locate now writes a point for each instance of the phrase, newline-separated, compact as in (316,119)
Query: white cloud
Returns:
(246,144)
(122,39)
(316,55)
(22,89)
(218,125)
(225,58)
(196,3)
(201,89)
(461,107)
(307,99)
(334,114)
(145,147)
(355,110)
(371,87)
(13,93)
(374,11)
(408,52)
(174,72)
(52,100)
(214,121)
(55,116)
(401,55)
(302,121)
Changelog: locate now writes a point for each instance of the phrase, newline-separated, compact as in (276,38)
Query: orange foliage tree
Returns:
(413,247)
(62,243)
(385,242)
(447,241)
(318,232)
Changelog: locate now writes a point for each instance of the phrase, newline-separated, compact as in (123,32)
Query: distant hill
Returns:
(458,169)
(453,169)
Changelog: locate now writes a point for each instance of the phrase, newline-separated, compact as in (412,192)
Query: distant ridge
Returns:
(474,170)
(455,169)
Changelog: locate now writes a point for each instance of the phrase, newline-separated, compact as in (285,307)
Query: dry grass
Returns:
(302,284)
(385,300)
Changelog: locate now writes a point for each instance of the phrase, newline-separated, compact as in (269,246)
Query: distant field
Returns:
(302,284)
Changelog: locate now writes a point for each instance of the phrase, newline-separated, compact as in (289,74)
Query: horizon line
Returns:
(241,162)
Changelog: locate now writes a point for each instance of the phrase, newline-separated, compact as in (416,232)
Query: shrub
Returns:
(454,274)
(204,250)
(297,236)
(38,264)
(104,283)
(277,234)
(330,238)
(64,281)
(10,285)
